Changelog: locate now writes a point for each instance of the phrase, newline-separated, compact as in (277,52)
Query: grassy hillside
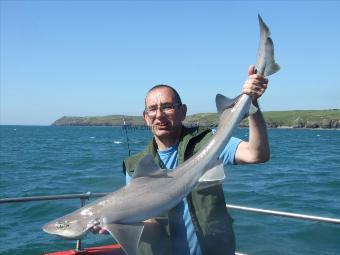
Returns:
(110,120)
(294,119)
(307,118)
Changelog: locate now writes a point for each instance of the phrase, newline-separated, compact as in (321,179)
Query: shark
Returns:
(153,191)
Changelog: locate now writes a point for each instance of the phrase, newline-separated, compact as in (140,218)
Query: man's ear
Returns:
(145,117)
(184,111)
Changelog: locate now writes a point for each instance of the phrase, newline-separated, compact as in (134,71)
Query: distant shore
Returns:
(325,119)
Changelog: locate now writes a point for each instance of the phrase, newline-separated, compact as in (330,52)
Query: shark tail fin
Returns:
(271,66)
(265,61)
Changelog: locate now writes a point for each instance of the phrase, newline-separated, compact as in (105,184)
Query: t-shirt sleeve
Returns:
(228,153)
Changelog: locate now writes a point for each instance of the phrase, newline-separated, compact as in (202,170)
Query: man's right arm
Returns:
(256,150)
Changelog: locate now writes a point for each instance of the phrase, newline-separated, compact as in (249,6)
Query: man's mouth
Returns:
(162,125)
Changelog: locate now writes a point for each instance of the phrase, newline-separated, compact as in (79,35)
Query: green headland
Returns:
(329,119)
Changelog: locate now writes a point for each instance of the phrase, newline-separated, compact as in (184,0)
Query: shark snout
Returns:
(66,229)
(49,228)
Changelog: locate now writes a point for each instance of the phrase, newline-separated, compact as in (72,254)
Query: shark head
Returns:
(69,229)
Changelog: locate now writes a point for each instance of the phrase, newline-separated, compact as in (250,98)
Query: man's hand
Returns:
(96,229)
(256,150)
(256,84)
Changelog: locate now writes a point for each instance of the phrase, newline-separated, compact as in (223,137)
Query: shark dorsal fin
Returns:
(146,167)
(223,102)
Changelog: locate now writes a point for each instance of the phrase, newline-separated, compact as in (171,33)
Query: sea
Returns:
(302,176)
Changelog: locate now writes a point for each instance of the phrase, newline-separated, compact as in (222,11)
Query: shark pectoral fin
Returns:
(146,167)
(216,173)
(127,235)
(223,102)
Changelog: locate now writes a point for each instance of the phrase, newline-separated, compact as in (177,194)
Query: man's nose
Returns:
(159,112)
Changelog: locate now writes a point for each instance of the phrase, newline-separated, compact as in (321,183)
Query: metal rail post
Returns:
(78,244)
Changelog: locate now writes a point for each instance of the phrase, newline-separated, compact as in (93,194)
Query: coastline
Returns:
(309,119)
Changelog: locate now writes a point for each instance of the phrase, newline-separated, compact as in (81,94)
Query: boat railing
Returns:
(88,195)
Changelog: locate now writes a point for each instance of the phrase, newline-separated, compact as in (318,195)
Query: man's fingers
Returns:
(103,232)
(251,70)
(255,85)
(251,92)
(98,230)
(258,77)
(254,90)
(94,230)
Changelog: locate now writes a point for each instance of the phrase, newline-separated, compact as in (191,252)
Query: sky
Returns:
(97,58)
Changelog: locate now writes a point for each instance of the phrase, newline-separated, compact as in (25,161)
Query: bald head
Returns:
(176,97)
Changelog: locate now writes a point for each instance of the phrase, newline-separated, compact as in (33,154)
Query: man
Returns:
(200,224)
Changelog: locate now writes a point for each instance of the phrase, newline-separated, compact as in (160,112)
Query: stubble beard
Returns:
(167,131)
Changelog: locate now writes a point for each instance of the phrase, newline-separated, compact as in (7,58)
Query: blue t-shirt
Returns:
(185,238)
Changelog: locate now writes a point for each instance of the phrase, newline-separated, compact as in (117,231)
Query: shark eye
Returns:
(59,225)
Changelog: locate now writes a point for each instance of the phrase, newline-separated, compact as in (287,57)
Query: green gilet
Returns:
(210,218)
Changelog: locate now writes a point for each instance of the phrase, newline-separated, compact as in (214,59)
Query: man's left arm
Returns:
(256,150)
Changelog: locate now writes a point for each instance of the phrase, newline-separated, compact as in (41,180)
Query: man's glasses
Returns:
(165,108)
